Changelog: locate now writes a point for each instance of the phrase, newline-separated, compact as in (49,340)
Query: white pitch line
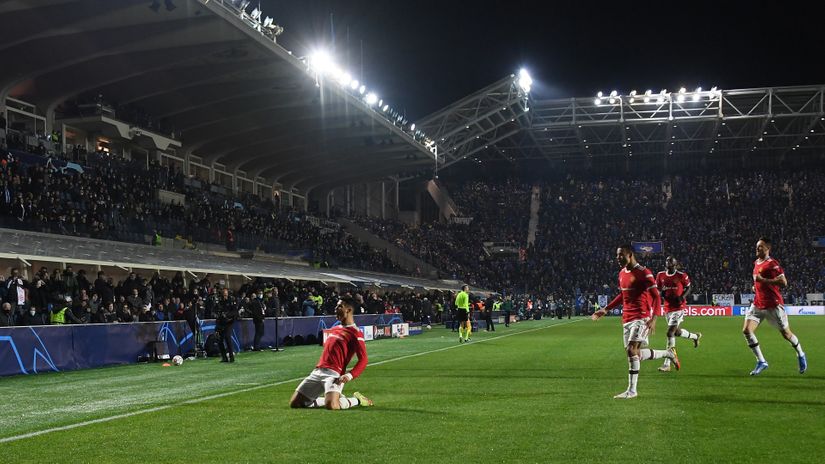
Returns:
(245,390)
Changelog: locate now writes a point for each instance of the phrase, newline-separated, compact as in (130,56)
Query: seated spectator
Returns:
(107,315)
(146,314)
(126,315)
(7,317)
(34,316)
(134,300)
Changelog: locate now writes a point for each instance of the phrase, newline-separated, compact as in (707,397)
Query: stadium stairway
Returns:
(535,205)
(441,197)
(405,260)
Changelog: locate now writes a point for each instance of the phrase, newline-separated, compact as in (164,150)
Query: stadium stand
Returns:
(232,141)
(138,298)
(500,214)
(707,220)
(118,200)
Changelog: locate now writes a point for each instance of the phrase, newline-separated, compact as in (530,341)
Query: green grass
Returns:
(543,394)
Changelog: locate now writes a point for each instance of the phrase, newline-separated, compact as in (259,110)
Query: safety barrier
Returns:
(55,348)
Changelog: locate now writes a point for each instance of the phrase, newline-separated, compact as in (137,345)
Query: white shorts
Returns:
(675,318)
(776,316)
(320,382)
(636,331)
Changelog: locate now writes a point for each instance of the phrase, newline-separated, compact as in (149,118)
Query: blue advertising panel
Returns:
(648,247)
(31,350)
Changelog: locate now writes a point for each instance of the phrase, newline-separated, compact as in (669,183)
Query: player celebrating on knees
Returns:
(768,278)
(330,374)
(638,291)
(674,286)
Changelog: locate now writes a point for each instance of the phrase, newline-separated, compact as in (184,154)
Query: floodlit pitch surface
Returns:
(535,392)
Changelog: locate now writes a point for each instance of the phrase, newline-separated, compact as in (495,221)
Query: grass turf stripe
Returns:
(249,389)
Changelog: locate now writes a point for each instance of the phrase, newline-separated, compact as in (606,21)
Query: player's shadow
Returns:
(502,374)
(723,399)
(738,374)
(402,410)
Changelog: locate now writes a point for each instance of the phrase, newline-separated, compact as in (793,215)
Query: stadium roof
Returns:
(496,123)
(217,75)
(238,98)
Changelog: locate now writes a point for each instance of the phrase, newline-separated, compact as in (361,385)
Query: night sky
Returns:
(421,56)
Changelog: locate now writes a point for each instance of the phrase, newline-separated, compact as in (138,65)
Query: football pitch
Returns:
(539,391)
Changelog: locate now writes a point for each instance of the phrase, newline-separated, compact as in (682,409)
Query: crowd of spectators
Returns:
(500,213)
(68,297)
(710,222)
(117,199)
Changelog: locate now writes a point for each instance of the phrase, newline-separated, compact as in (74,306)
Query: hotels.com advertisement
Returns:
(740,310)
(708,311)
(697,310)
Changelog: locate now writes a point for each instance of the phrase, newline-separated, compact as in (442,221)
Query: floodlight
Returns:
(371,98)
(362,89)
(525,82)
(336,73)
(321,62)
(600,94)
(412,126)
(344,79)
(354,84)
(598,101)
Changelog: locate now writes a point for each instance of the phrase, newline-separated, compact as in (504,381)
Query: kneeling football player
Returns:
(324,386)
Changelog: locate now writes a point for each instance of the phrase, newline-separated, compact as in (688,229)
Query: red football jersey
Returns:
(672,286)
(767,296)
(634,285)
(343,342)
